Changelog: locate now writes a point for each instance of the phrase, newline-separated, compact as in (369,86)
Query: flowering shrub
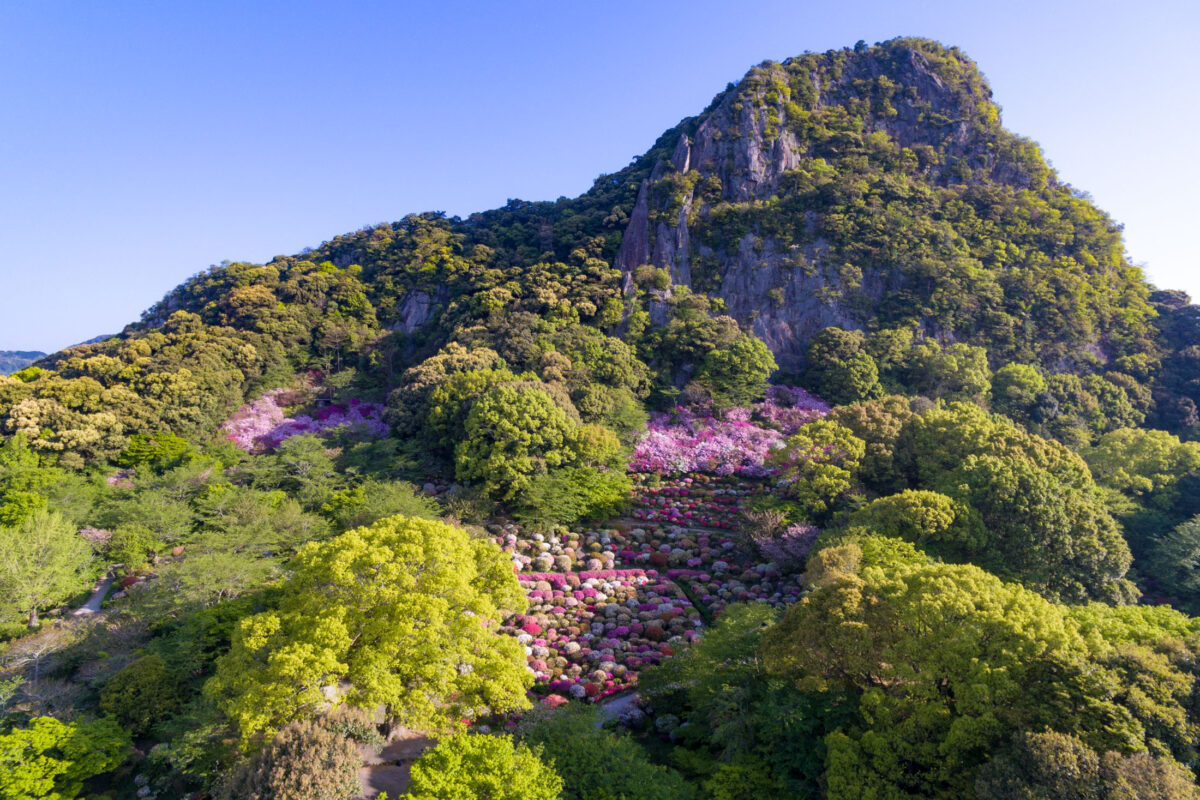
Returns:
(790,547)
(262,425)
(686,441)
(787,408)
(605,603)
(587,634)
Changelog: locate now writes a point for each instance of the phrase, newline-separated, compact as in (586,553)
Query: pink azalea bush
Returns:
(263,425)
(787,408)
(684,440)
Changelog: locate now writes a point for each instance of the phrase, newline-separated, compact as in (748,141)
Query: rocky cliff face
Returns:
(753,154)
(872,187)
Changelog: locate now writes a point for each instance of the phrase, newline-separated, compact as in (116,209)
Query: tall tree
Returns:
(404,613)
(41,562)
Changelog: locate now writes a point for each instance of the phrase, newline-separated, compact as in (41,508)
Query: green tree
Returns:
(406,611)
(51,759)
(819,463)
(512,435)
(1047,765)
(839,368)
(141,694)
(958,372)
(132,546)
(1031,527)
(573,494)
(372,500)
(936,442)
(408,407)
(159,451)
(301,467)
(1174,561)
(596,764)
(879,423)
(1146,465)
(470,766)
(937,704)
(42,562)
(1057,766)
(1016,390)
(922,517)
(450,402)
(737,375)
(24,482)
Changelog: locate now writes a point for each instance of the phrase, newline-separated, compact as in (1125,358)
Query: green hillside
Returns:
(835,425)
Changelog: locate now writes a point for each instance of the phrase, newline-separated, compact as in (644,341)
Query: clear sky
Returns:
(141,142)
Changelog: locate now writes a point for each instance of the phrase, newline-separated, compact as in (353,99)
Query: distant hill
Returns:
(96,339)
(13,360)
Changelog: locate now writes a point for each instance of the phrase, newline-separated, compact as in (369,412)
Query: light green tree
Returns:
(820,461)
(1146,465)
(1015,390)
(51,759)
(471,766)
(23,480)
(922,517)
(41,563)
(404,613)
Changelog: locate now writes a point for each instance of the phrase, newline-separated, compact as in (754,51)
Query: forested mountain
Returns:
(837,366)
(13,360)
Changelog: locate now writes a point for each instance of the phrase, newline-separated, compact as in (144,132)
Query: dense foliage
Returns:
(445,469)
(403,610)
(464,767)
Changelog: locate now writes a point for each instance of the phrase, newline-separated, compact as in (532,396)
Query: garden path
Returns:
(92,606)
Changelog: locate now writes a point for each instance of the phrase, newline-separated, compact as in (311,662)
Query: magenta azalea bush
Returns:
(787,409)
(263,425)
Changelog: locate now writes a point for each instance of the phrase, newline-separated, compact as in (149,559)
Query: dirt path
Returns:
(92,606)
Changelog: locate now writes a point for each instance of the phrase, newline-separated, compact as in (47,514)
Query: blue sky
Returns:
(142,142)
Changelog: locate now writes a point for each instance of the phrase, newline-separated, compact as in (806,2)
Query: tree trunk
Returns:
(33,618)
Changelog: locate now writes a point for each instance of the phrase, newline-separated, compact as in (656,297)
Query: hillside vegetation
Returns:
(835,425)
